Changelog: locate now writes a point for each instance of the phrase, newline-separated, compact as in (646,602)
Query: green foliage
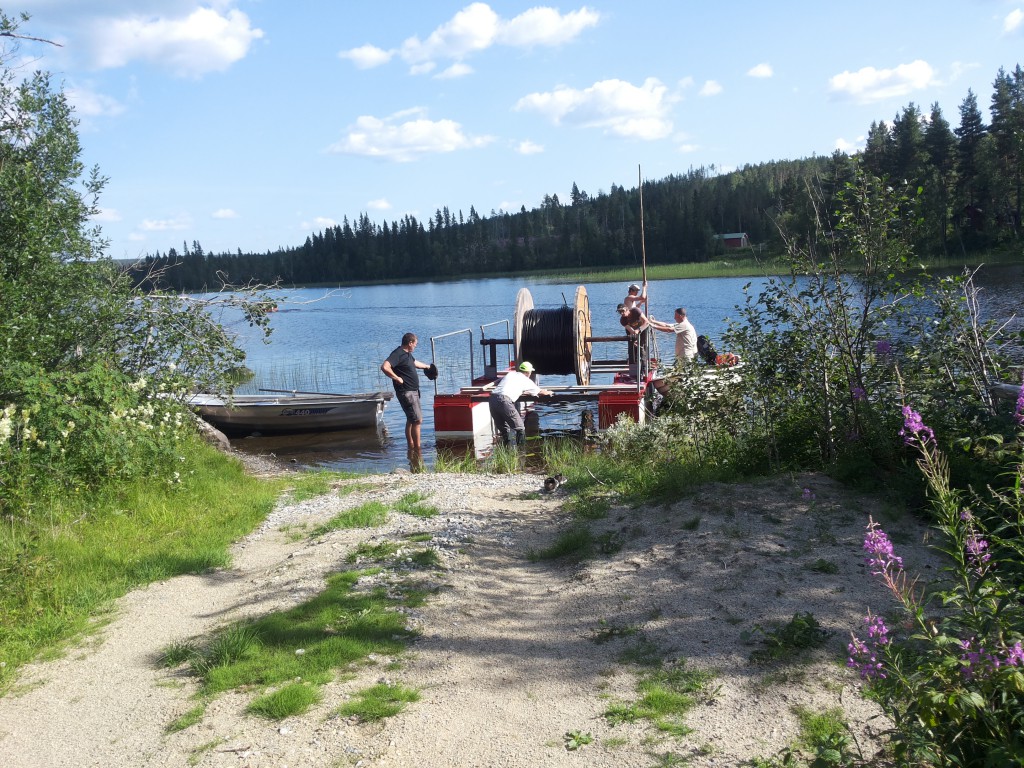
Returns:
(799,634)
(576,739)
(953,683)
(94,368)
(852,331)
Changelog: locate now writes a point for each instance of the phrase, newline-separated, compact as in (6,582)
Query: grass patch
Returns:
(426,558)
(370,514)
(800,634)
(304,647)
(419,537)
(666,695)
(589,504)
(576,543)
(381,552)
(643,652)
(379,702)
(412,504)
(309,485)
(608,632)
(188,719)
(292,699)
(822,566)
(59,569)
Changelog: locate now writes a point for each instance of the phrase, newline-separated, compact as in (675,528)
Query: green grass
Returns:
(188,719)
(412,504)
(822,566)
(370,514)
(286,657)
(329,632)
(59,570)
(292,699)
(577,543)
(383,551)
(379,702)
(309,485)
(666,696)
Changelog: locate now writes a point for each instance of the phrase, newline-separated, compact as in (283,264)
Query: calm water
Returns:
(335,341)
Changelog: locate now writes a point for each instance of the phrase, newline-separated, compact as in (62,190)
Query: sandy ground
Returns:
(508,660)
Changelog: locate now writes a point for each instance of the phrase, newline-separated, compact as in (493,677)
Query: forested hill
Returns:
(968,182)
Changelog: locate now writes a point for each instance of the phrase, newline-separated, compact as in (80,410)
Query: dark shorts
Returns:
(410,402)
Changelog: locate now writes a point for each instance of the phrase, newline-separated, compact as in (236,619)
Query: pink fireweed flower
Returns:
(914,429)
(976,550)
(858,393)
(977,662)
(808,495)
(864,659)
(1015,655)
(883,347)
(881,556)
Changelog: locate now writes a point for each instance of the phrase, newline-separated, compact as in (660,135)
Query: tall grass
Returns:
(89,549)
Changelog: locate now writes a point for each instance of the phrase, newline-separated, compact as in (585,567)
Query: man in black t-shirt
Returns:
(401,367)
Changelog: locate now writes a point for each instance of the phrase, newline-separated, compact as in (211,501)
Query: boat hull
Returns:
(291,414)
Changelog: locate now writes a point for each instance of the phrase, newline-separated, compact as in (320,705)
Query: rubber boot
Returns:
(520,438)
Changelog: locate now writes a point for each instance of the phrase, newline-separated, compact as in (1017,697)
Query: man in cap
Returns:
(503,406)
(635,296)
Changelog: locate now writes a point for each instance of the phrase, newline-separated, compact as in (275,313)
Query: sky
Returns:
(250,124)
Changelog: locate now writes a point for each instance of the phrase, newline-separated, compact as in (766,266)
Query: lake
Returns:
(335,341)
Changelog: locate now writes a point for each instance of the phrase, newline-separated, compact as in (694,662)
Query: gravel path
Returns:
(512,654)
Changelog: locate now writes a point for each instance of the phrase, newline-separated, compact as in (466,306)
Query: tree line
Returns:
(968,179)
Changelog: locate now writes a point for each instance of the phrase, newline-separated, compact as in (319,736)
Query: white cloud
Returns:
(367,56)
(224,213)
(166,225)
(458,69)
(711,88)
(380,204)
(850,147)
(761,70)
(322,222)
(107,215)
(686,82)
(546,26)
(615,106)
(189,46)
(529,148)
(869,84)
(403,140)
(1013,21)
(90,103)
(687,148)
(476,28)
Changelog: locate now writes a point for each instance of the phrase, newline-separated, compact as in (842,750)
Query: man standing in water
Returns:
(401,367)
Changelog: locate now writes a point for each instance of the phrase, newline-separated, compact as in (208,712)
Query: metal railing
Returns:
(433,351)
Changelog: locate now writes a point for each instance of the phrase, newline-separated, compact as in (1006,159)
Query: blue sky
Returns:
(252,123)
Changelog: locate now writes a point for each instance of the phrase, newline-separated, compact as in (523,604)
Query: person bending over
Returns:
(502,403)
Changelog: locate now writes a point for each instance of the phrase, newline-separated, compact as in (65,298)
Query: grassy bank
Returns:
(60,569)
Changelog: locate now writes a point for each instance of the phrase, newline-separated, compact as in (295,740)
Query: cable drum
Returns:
(548,340)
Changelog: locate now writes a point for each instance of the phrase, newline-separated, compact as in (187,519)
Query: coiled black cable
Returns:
(548,341)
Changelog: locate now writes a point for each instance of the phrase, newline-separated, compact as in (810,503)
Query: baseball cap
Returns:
(526,367)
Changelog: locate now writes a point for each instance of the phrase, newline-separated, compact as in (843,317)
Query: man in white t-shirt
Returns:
(686,334)
(502,403)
